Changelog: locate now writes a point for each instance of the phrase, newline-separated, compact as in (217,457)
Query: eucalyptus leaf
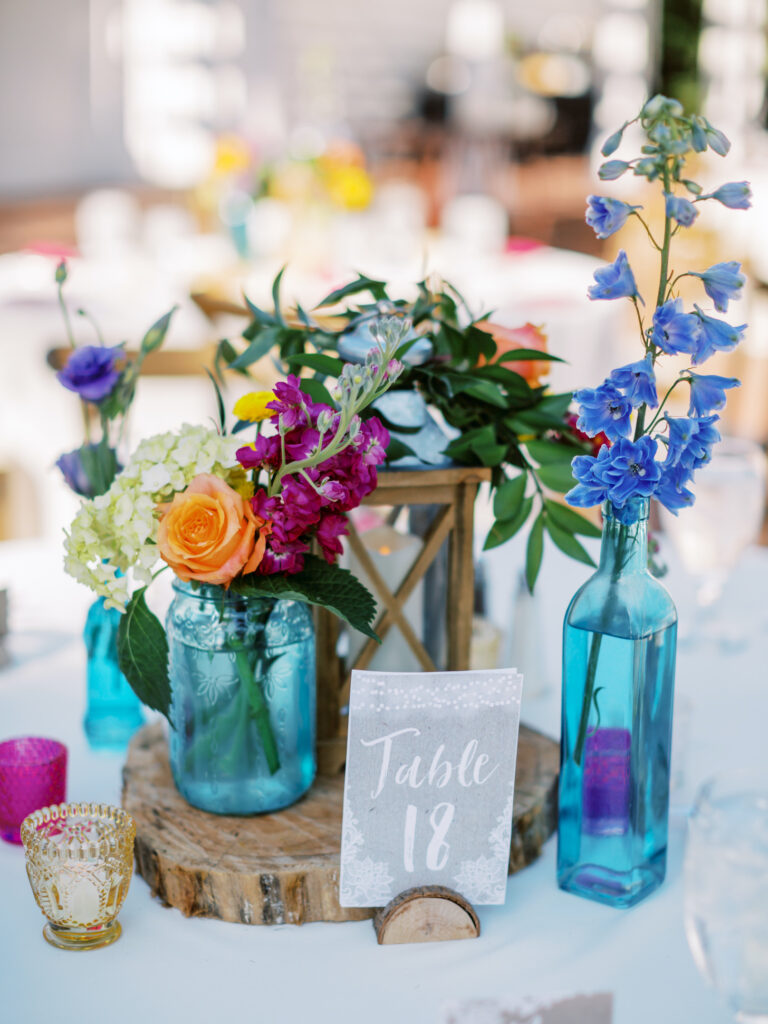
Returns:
(317,391)
(568,543)
(328,365)
(509,497)
(557,476)
(263,342)
(504,529)
(142,653)
(526,355)
(276,296)
(534,551)
(549,452)
(568,519)
(361,284)
(219,402)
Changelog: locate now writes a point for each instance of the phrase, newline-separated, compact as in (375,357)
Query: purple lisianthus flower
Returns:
(674,330)
(605,215)
(708,392)
(603,410)
(638,382)
(91,371)
(625,470)
(715,336)
(722,282)
(681,210)
(615,281)
(671,491)
(737,195)
(71,465)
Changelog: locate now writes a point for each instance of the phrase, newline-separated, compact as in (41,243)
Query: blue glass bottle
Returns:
(242,674)
(618,680)
(113,712)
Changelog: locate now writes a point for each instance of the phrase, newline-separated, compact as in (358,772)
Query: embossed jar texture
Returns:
(240,666)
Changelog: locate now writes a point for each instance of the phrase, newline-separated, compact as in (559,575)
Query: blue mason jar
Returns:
(113,711)
(619,648)
(242,672)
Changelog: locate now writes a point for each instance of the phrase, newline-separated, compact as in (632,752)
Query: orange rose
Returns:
(209,532)
(509,338)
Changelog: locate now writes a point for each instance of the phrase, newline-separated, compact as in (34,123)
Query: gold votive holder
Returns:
(79,864)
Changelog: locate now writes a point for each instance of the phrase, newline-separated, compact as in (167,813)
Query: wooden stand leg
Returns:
(427,913)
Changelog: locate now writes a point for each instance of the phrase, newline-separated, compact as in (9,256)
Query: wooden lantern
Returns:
(452,492)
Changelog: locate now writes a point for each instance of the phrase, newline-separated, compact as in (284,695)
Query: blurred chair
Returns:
(170,362)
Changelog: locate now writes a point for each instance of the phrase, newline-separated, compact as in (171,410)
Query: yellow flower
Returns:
(253,406)
(349,187)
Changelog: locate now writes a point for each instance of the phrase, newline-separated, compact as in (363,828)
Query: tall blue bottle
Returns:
(619,647)
(113,712)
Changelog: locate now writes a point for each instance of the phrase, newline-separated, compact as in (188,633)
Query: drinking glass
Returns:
(726,893)
(33,773)
(724,520)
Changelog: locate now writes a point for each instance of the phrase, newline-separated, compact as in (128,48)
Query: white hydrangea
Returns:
(117,531)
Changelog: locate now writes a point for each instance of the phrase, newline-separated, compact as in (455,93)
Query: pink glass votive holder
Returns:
(33,774)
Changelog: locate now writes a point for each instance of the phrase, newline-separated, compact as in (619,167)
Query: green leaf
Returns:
(504,529)
(509,497)
(490,455)
(261,316)
(568,543)
(225,353)
(258,348)
(525,355)
(397,449)
(155,336)
(557,476)
(484,391)
(317,391)
(317,361)
(219,402)
(276,296)
(361,284)
(570,520)
(547,452)
(328,586)
(142,653)
(534,551)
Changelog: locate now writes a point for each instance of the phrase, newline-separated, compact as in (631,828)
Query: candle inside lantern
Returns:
(392,553)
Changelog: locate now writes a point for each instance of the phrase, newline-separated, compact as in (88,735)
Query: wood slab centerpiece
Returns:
(283,868)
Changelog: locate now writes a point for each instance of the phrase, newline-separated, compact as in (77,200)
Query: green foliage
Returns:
(501,419)
(142,653)
(319,583)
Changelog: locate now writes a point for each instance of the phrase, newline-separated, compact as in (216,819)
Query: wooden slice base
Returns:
(427,913)
(284,867)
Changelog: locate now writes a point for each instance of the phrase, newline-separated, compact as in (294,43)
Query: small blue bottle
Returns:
(619,645)
(113,713)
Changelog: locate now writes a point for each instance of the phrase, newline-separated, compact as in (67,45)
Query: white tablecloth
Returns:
(543,942)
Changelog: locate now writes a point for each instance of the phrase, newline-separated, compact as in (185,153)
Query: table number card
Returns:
(429,784)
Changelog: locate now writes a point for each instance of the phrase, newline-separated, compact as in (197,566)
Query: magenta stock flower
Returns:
(331,528)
